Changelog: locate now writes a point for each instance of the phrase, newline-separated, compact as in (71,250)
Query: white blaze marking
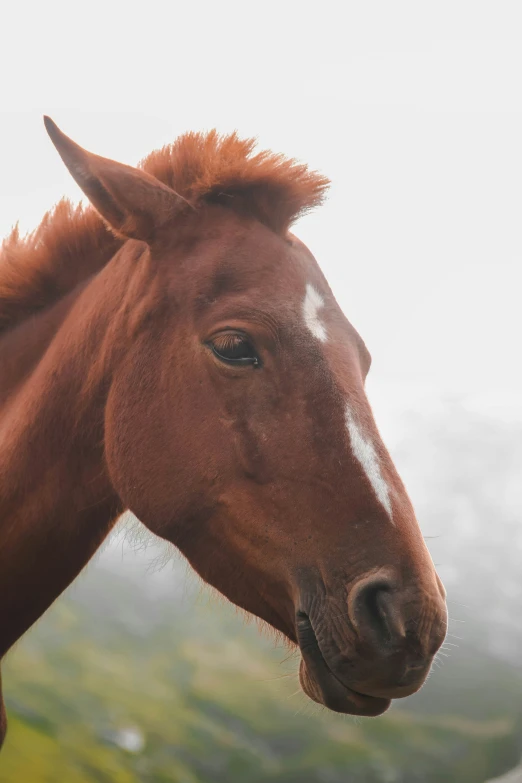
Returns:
(364,451)
(313,302)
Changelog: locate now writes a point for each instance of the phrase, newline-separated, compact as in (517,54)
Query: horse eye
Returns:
(234,348)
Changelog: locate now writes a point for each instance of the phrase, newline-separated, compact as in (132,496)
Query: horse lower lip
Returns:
(333,693)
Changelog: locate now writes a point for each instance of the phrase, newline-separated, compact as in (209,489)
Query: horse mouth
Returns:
(321,684)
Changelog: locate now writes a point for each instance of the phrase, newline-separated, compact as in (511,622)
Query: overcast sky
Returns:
(413,109)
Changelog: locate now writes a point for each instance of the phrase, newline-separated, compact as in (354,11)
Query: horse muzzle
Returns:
(381,649)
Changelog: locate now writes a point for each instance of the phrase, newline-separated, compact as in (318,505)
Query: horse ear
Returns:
(132,202)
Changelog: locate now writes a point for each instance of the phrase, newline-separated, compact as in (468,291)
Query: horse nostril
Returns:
(391,614)
(375,611)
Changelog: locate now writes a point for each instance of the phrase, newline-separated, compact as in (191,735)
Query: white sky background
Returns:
(413,109)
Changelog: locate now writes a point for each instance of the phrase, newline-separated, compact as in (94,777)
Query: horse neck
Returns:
(57,503)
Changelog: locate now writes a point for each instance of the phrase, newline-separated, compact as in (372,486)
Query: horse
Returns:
(174,350)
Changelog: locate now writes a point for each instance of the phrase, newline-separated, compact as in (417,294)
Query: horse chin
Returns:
(333,694)
(321,685)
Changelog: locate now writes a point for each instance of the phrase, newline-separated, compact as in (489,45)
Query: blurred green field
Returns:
(138,675)
(121,683)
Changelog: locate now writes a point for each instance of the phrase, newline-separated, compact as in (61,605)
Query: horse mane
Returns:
(72,242)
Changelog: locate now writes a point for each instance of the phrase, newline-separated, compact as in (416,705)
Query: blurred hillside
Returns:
(139,674)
